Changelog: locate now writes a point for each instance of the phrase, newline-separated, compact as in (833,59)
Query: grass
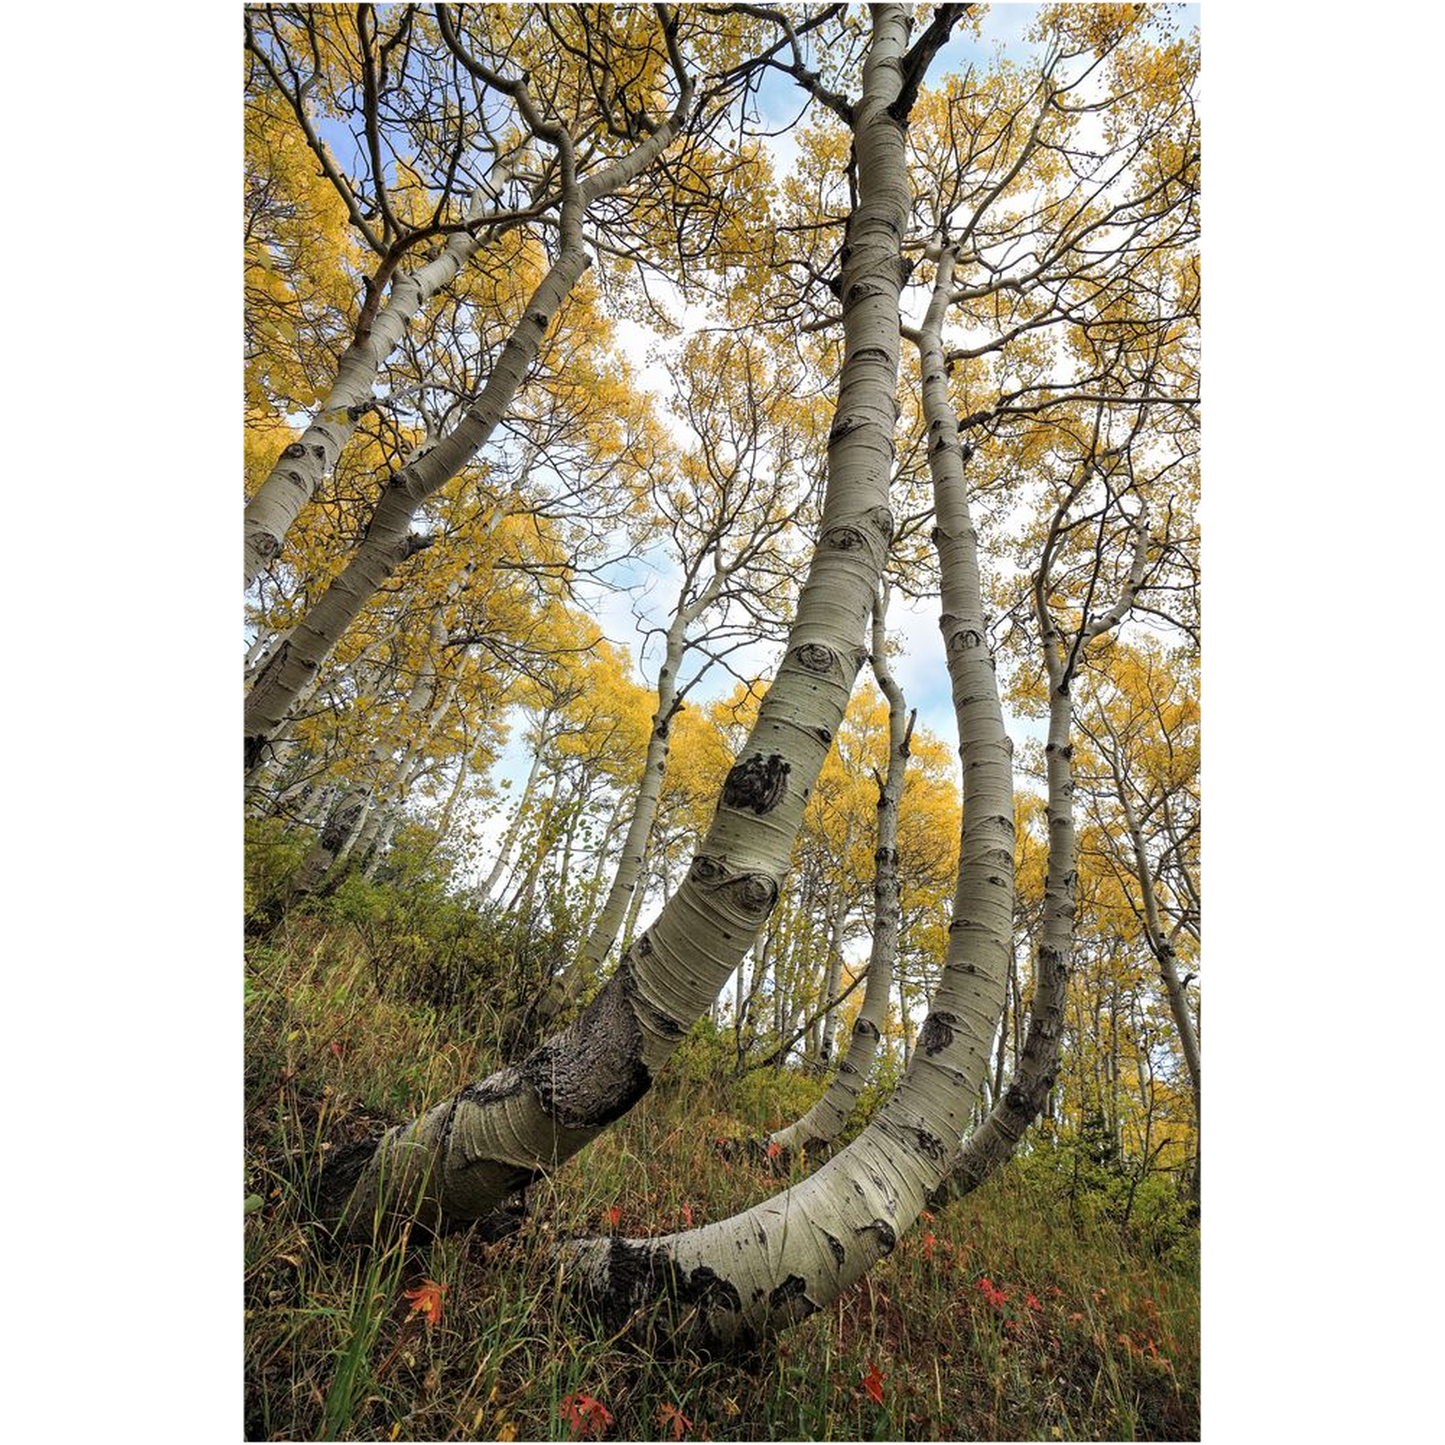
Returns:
(1008,1316)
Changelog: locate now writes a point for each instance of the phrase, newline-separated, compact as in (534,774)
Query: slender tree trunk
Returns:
(332,845)
(360,848)
(825,1120)
(995,1140)
(639,894)
(644,812)
(1162,948)
(905,1024)
(514,827)
(459,1160)
(389,540)
(798,1251)
(444,822)
(813,1052)
(599,865)
(305,463)
(1010,1003)
(379,851)
(835,970)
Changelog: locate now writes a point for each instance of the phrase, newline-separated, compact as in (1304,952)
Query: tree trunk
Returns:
(797,1252)
(459,1160)
(825,1120)
(303,465)
(514,826)
(998,1136)
(332,845)
(1162,948)
(644,812)
(388,541)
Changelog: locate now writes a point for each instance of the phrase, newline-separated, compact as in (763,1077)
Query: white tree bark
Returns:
(1162,947)
(825,1120)
(304,464)
(389,541)
(995,1140)
(514,825)
(644,812)
(795,1253)
(459,1160)
(332,844)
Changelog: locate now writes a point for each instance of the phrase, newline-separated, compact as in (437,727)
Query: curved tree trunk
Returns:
(795,1253)
(825,1120)
(1162,947)
(459,1160)
(995,1140)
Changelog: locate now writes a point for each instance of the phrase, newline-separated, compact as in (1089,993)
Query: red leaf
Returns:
(586,1416)
(669,1417)
(873,1384)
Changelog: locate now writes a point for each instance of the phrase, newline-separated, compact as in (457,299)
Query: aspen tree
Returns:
(389,539)
(461,1158)
(822,1124)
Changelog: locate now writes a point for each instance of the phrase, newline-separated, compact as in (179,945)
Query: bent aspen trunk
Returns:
(994,1141)
(795,1253)
(459,1160)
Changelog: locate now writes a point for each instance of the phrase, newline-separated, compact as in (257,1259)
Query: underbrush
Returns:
(1022,1312)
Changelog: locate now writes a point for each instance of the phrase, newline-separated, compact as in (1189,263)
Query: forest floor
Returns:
(1013,1314)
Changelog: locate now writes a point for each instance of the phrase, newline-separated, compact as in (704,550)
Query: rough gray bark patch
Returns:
(758,783)
(936,1033)
(638,1274)
(339,1174)
(592,1072)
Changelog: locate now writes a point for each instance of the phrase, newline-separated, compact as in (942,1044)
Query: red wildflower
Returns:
(687,1215)
(928,1242)
(774,1149)
(615,1215)
(873,1384)
(426,1300)
(1032,1302)
(585,1416)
